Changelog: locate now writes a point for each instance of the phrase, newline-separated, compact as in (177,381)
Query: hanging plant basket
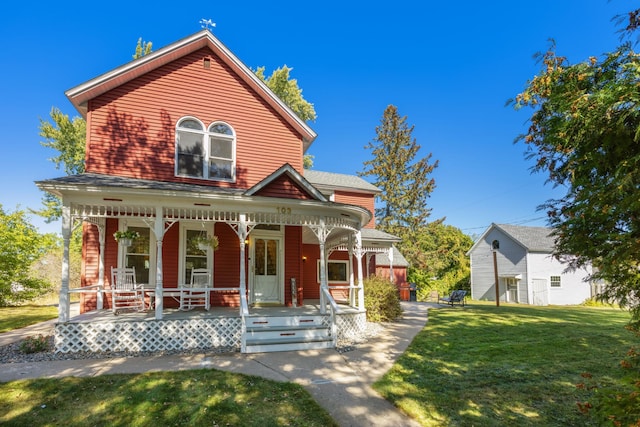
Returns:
(125,241)
(126,238)
(205,242)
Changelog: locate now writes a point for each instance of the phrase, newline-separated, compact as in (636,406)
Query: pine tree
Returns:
(405,182)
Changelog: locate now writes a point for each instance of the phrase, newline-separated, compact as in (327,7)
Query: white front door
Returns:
(265,283)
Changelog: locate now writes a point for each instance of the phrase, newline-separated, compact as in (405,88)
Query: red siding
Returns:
(131,129)
(226,269)
(292,262)
(399,274)
(284,187)
(365,200)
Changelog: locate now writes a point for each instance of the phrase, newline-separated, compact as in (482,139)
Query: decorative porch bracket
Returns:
(242,229)
(322,231)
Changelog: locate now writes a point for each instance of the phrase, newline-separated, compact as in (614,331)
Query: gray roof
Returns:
(98,180)
(378,235)
(536,239)
(398,259)
(338,180)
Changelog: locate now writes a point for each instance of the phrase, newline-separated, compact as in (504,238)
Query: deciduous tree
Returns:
(21,246)
(585,134)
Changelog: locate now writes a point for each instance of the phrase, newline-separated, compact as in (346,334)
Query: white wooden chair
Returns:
(125,293)
(196,293)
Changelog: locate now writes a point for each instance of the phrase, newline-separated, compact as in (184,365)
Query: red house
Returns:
(187,142)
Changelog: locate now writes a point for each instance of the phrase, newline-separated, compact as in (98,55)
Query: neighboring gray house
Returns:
(527,273)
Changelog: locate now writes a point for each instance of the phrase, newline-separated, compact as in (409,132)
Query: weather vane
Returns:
(207,23)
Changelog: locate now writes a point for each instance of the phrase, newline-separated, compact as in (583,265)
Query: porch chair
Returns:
(125,293)
(196,293)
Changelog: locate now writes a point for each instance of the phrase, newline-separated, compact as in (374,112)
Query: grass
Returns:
(194,398)
(25,315)
(514,365)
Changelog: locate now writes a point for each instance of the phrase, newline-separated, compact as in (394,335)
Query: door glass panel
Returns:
(272,257)
(260,258)
(138,254)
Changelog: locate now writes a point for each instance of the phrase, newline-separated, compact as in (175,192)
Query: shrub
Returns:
(381,300)
(35,344)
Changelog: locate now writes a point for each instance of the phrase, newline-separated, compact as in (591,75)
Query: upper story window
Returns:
(207,154)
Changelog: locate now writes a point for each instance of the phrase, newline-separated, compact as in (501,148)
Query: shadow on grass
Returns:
(511,365)
(194,398)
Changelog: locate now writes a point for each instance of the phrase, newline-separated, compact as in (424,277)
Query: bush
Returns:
(35,344)
(381,300)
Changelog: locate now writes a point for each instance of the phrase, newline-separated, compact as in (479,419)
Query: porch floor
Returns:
(311,307)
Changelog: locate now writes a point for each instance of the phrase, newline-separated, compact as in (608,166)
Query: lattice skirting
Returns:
(156,335)
(162,335)
(351,326)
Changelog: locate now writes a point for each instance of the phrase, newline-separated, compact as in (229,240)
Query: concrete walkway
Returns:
(340,382)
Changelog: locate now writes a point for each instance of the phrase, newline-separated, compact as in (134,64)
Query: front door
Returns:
(266,285)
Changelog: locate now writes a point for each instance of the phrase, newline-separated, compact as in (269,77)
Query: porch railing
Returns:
(244,312)
(333,308)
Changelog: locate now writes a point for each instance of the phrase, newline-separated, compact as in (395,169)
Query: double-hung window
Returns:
(555,282)
(207,154)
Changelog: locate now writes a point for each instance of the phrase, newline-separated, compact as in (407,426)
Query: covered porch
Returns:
(168,211)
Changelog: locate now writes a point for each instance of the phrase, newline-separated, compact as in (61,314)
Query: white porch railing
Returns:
(333,308)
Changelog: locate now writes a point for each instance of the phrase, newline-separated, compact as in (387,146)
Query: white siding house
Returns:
(527,273)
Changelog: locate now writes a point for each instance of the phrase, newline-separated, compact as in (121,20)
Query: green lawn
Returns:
(194,398)
(514,365)
(25,315)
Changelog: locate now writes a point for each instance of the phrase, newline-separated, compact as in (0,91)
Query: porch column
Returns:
(101,239)
(352,297)
(322,231)
(158,230)
(359,253)
(242,236)
(63,306)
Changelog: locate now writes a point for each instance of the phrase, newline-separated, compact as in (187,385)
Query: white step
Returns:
(286,333)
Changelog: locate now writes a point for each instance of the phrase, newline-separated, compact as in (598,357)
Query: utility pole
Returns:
(495,245)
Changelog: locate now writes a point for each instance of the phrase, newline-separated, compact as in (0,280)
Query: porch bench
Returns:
(456,297)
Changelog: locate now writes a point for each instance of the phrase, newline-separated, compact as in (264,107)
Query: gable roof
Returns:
(382,259)
(299,180)
(533,239)
(81,94)
(338,180)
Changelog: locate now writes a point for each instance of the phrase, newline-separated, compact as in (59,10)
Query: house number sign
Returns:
(284,211)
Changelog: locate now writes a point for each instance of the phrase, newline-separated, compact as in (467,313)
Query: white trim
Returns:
(334,261)
(182,248)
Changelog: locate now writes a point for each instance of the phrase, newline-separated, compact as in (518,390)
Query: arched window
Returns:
(204,154)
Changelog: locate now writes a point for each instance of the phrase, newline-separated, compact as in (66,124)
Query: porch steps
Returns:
(286,333)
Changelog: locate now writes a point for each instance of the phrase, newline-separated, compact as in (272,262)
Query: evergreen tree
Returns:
(405,182)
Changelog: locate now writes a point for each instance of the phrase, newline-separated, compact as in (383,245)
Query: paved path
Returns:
(340,382)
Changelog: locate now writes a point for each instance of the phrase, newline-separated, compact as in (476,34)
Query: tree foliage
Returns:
(585,134)
(405,182)
(288,91)
(21,246)
(142,48)
(67,137)
(440,262)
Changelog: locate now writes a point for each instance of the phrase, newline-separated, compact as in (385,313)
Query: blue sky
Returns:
(448,66)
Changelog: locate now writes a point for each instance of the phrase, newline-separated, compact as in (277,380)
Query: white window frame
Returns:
(205,138)
(552,281)
(334,261)
(123,225)
(182,251)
